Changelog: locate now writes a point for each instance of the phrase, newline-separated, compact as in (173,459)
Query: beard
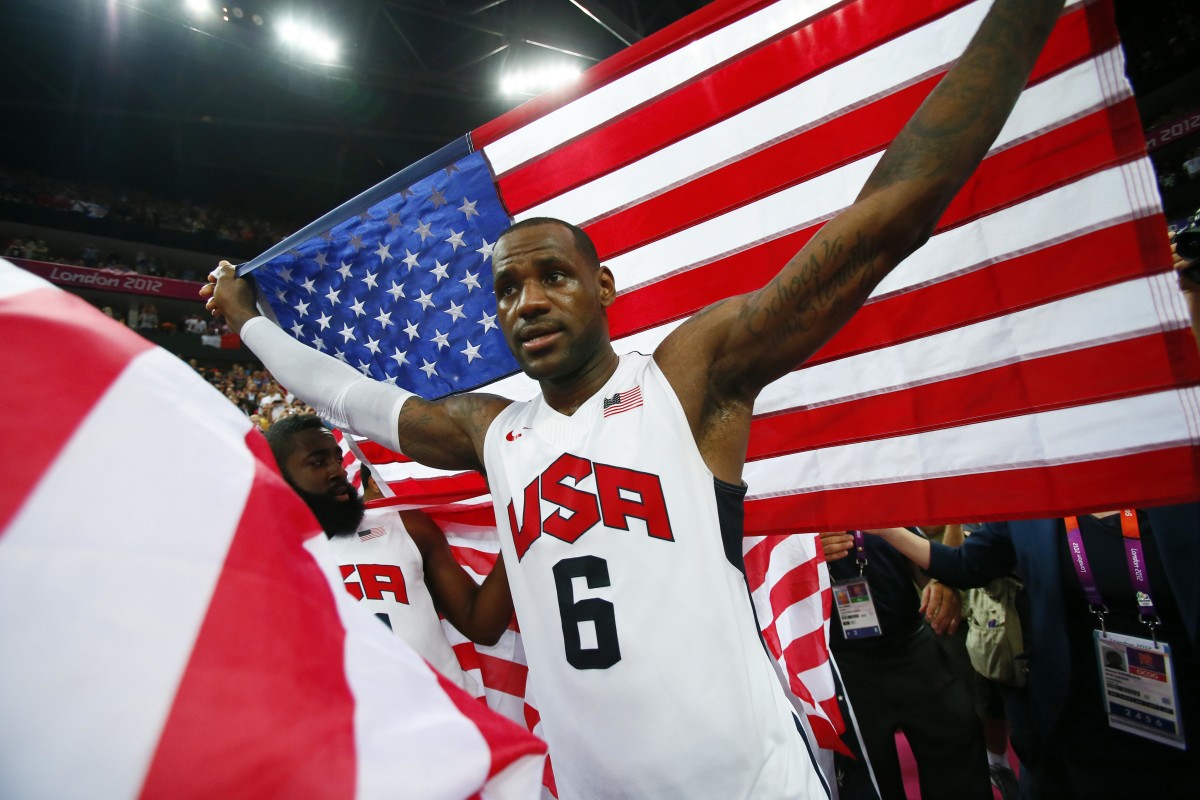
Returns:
(337,517)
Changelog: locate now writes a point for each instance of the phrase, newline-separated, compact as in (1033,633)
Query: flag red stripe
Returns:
(1055,381)
(476,560)
(810,48)
(1071,151)
(229,703)
(378,454)
(1159,477)
(503,675)
(711,17)
(758,560)
(786,62)
(1101,258)
(39,327)
(437,490)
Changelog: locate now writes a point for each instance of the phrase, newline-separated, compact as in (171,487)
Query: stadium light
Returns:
(307,40)
(535,80)
(198,8)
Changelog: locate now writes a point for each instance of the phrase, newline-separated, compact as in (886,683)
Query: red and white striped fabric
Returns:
(172,624)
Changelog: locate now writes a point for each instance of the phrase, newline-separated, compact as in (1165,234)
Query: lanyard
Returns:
(860,551)
(1134,556)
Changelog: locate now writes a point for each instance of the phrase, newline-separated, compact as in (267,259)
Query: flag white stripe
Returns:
(647,82)
(1133,424)
(75,577)
(1113,313)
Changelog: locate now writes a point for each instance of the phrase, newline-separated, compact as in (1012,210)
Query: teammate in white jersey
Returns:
(613,537)
(397,563)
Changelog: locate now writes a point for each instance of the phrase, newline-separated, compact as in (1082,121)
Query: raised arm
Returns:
(481,612)
(752,339)
(446,433)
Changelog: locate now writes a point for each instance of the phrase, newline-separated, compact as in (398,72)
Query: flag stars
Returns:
(397,291)
(344,270)
(365,368)
(365,216)
(327,236)
(488,321)
(455,239)
(340,356)
(347,333)
(301,309)
(334,296)
(423,230)
(471,281)
(429,369)
(369,279)
(410,259)
(322,260)
(280,295)
(455,312)
(297,330)
(383,252)
(411,330)
(356,242)
(471,351)
(318,343)
(426,300)
(468,208)
(384,319)
(440,270)
(453,168)
(309,286)
(324,320)
(437,198)
(486,249)
(441,339)
(357,308)
(394,220)
(373,345)
(400,357)
(286,274)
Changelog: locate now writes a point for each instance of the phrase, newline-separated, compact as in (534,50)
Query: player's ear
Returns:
(608,286)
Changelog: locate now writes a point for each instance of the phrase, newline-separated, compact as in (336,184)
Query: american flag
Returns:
(1032,359)
(215,652)
(623,401)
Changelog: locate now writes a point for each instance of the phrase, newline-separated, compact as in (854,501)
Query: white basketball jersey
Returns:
(650,675)
(382,567)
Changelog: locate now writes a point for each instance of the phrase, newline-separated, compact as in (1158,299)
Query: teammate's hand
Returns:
(836,544)
(942,607)
(229,296)
(1180,263)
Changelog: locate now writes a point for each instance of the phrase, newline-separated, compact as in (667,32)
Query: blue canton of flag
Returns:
(402,289)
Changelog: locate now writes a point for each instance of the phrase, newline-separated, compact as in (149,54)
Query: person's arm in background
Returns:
(1190,289)
(980,559)
(481,612)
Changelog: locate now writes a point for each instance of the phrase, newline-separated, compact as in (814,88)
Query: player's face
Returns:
(315,471)
(550,301)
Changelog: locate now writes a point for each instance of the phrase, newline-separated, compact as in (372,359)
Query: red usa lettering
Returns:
(620,494)
(374,580)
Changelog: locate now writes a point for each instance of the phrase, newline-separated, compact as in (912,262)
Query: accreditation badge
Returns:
(856,609)
(1140,693)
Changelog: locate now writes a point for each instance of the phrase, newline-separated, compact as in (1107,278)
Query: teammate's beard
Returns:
(337,517)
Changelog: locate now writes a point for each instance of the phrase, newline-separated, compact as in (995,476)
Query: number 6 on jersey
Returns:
(574,613)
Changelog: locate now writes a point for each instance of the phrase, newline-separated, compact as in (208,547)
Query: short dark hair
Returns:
(365,472)
(281,436)
(583,242)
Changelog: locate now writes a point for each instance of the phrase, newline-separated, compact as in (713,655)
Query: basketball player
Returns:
(397,563)
(618,492)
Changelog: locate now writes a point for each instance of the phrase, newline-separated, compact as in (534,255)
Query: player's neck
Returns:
(566,395)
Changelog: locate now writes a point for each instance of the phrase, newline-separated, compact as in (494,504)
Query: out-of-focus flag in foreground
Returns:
(1032,359)
(172,624)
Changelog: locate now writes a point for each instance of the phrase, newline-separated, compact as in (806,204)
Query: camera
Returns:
(1187,245)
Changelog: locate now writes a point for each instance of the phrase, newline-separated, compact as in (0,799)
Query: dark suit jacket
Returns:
(1032,547)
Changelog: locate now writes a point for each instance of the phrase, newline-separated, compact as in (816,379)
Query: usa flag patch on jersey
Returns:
(623,401)
(373,533)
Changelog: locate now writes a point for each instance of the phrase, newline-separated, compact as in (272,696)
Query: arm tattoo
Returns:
(801,297)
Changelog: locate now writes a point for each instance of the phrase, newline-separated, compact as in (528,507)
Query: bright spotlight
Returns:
(198,8)
(535,80)
(307,41)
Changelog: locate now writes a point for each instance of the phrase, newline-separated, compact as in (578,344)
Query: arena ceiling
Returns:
(144,93)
